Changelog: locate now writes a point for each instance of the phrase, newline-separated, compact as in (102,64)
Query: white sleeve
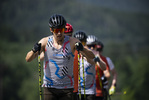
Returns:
(111,65)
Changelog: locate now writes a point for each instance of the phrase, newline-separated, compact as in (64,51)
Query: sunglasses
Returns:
(61,30)
(93,45)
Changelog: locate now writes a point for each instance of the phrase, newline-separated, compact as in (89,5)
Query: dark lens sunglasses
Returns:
(93,45)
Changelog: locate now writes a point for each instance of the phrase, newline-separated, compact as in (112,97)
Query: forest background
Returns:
(122,25)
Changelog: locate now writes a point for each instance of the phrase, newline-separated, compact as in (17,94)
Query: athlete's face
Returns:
(58,33)
(93,48)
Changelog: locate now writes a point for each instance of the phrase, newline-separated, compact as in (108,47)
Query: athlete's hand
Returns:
(79,46)
(112,90)
(36,47)
(96,59)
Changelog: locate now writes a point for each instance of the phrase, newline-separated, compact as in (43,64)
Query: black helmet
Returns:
(91,39)
(80,35)
(100,46)
(57,21)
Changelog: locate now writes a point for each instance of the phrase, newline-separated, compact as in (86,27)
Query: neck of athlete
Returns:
(58,43)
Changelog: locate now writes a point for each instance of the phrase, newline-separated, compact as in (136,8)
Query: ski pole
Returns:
(39,69)
(83,78)
(109,95)
(79,76)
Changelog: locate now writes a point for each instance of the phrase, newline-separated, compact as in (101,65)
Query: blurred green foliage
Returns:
(24,22)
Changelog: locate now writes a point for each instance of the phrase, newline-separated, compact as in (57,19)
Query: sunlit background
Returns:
(122,25)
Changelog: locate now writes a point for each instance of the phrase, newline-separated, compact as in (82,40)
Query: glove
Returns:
(112,90)
(36,47)
(96,59)
(104,82)
(79,46)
